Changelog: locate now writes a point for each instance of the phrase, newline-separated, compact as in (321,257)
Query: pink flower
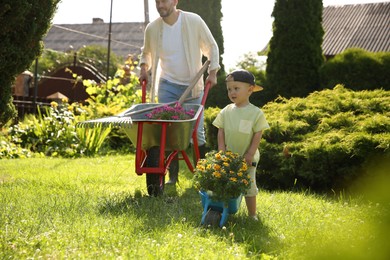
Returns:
(166,112)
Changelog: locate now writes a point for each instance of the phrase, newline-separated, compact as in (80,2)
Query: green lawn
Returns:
(98,208)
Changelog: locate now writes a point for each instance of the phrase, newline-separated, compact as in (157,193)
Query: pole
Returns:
(35,86)
(109,43)
(146,11)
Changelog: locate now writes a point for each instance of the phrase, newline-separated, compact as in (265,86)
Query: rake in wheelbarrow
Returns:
(158,141)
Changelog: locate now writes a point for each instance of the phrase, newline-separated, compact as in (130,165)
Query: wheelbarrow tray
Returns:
(178,134)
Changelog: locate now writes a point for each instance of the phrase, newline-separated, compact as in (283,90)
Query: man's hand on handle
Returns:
(212,78)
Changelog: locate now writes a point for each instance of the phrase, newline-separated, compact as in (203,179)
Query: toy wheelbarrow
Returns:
(217,212)
(154,138)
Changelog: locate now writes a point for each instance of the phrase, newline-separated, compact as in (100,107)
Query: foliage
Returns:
(324,141)
(114,95)
(23,24)
(50,60)
(357,69)
(167,112)
(111,98)
(321,142)
(211,131)
(225,174)
(93,55)
(96,55)
(295,54)
(54,133)
(98,208)
(12,151)
(217,96)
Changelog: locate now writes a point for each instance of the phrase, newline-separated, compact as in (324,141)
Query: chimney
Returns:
(97,20)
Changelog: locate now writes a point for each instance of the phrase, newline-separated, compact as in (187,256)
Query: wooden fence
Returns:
(26,105)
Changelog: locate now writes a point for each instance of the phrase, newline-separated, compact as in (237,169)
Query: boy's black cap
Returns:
(244,76)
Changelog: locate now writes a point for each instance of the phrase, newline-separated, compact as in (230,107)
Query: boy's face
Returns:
(239,92)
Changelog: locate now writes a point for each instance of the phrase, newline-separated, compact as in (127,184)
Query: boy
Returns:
(240,127)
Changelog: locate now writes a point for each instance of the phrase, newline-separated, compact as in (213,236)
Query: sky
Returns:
(246,27)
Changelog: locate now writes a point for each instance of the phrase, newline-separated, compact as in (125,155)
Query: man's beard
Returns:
(166,13)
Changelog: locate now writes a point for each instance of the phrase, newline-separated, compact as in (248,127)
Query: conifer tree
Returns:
(23,24)
(295,53)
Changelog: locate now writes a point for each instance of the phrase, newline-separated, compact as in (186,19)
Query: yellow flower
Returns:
(217,174)
(54,104)
(220,168)
(200,167)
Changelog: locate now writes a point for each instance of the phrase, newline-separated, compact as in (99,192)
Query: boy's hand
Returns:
(248,159)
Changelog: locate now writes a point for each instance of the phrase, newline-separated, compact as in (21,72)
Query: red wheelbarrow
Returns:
(158,141)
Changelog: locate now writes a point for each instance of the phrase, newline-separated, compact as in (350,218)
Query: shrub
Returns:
(23,24)
(321,142)
(357,69)
(325,140)
(54,133)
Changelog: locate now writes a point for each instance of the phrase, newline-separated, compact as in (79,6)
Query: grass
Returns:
(98,208)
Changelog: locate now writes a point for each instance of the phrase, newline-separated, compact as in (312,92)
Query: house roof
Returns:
(126,38)
(365,26)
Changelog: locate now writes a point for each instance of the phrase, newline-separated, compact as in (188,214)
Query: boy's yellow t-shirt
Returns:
(239,125)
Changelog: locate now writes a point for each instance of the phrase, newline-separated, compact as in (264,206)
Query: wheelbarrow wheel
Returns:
(154,182)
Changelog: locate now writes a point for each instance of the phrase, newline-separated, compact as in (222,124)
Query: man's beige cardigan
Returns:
(197,40)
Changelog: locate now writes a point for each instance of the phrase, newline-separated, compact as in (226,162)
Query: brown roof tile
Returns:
(365,26)
(126,38)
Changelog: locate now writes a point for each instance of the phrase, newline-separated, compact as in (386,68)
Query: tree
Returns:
(23,24)
(93,55)
(295,54)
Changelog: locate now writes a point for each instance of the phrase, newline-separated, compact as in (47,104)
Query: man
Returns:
(173,45)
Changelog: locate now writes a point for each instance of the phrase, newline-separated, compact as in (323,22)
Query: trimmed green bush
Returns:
(23,24)
(321,142)
(357,69)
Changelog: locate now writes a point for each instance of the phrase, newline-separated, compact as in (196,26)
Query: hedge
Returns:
(322,142)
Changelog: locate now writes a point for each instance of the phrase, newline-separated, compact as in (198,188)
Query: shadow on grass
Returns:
(172,208)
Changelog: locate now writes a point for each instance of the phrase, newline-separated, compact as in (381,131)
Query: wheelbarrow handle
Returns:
(143,86)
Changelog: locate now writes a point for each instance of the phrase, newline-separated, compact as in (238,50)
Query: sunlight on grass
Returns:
(99,208)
